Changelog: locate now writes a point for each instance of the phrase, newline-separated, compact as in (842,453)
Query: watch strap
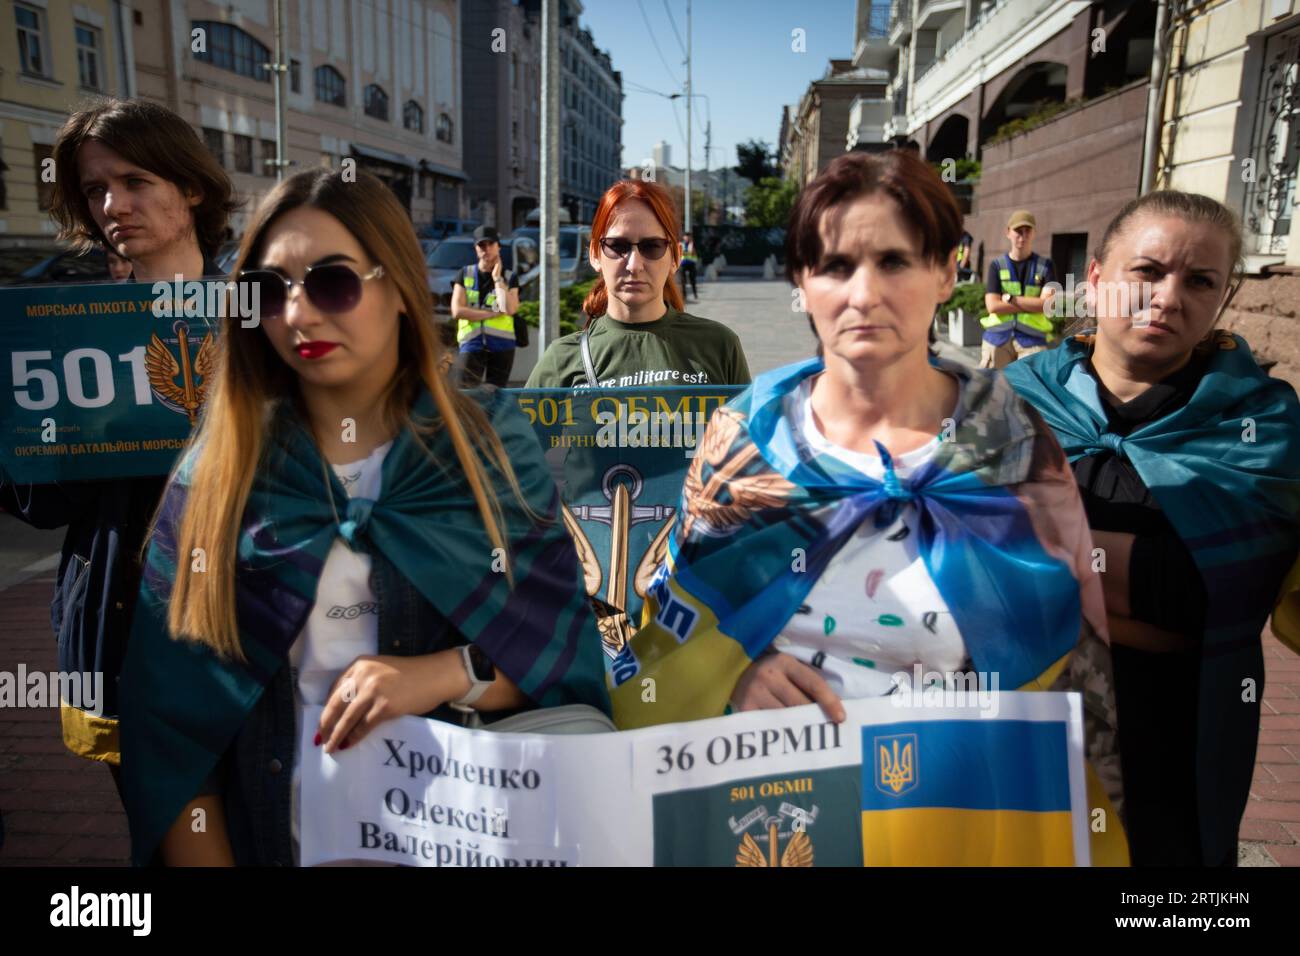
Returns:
(477,688)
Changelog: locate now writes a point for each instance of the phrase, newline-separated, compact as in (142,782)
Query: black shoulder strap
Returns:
(587,364)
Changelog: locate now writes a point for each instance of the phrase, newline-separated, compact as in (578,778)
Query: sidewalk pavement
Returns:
(58,810)
(64,811)
(771,332)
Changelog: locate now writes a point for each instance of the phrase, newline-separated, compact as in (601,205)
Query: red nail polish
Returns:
(317,740)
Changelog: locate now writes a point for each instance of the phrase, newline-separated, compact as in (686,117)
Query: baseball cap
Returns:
(1021,217)
(486,232)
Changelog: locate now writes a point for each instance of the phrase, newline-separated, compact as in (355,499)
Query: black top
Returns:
(1165,587)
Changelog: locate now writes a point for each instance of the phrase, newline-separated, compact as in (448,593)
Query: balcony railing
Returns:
(878,20)
(977,41)
(900,20)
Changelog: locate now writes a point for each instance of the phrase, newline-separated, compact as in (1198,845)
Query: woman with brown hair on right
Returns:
(345,530)
(1188,459)
(637,333)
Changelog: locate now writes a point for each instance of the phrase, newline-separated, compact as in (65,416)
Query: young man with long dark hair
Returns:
(133,177)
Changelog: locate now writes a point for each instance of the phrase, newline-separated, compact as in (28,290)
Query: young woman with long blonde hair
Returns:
(345,530)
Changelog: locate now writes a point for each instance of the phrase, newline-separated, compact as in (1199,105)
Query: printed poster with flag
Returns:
(902,782)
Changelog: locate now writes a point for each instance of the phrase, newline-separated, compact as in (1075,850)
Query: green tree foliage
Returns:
(968,296)
(754,160)
(571,317)
(769,201)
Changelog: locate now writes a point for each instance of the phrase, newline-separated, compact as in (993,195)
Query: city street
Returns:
(62,810)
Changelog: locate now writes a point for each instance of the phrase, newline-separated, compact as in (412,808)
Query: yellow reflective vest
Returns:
(501,327)
(1034,274)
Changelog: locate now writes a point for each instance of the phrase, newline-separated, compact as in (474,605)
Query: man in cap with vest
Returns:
(484,299)
(1016,324)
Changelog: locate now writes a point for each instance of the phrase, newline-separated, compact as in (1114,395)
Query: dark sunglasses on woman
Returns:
(333,287)
(622,248)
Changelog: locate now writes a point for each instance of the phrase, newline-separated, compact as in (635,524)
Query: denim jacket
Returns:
(255,778)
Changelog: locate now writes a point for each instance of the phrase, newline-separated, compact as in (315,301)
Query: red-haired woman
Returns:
(636,332)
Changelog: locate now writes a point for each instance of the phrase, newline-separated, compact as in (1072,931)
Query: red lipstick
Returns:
(315,350)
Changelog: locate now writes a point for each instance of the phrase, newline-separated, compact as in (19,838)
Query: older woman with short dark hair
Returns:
(874,509)
(1188,459)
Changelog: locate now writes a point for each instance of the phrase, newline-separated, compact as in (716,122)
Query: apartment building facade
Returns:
(1230,129)
(591,141)
(377,82)
(1048,95)
(503,99)
(504,102)
(818,129)
(56,54)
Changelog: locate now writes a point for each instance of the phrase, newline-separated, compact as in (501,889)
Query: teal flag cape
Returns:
(1225,469)
(182,705)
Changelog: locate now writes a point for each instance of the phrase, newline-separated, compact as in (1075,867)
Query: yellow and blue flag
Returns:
(966,793)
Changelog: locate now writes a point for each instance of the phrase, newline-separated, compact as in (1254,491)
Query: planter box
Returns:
(964,330)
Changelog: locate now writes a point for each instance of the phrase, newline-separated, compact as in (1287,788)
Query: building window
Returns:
(88,57)
(230,48)
(413,116)
(243,154)
(295,76)
(268,157)
(44,190)
(215,141)
(330,87)
(376,103)
(445,131)
(31,40)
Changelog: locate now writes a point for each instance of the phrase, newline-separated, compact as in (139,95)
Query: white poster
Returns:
(764,788)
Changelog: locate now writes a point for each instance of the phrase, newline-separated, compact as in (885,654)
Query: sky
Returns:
(742,60)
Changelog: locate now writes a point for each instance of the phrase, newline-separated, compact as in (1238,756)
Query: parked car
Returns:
(443,228)
(452,255)
(65,267)
(574,240)
(534,218)
(17,259)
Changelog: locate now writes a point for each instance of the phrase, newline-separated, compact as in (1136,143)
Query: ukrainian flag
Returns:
(966,793)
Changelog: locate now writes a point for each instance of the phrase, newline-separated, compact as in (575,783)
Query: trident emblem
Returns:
(187,397)
(621,514)
(896,768)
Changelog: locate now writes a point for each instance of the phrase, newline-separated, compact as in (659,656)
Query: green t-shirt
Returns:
(678,349)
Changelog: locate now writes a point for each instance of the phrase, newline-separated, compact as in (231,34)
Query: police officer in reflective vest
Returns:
(1016,324)
(484,299)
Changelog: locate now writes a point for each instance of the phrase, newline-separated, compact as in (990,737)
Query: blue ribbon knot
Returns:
(895,490)
(358,517)
(1114,443)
